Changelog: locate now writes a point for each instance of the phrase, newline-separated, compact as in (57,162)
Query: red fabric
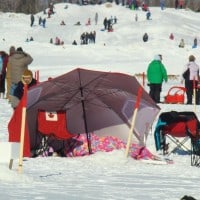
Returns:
(179,129)
(192,127)
(137,104)
(176,94)
(14,129)
(24,100)
(53,123)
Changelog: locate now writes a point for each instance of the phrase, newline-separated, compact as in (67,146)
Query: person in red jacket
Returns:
(181,2)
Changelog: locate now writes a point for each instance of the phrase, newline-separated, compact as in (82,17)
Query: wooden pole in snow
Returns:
(143,79)
(133,121)
(23,124)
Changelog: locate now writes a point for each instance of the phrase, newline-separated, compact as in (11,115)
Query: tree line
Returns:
(34,6)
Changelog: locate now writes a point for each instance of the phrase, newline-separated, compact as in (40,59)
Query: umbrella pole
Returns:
(86,128)
(133,121)
(84,117)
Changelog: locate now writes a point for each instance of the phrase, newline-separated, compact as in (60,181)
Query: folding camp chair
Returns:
(175,126)
(179,144)
(195,146)
(52,131)
(195,152)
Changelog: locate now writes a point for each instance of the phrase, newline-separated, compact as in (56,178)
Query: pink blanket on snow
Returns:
(107,144)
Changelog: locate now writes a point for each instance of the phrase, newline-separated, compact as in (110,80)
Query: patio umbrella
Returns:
(93,100)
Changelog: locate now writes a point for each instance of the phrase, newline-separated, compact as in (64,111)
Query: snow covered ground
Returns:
(109,176)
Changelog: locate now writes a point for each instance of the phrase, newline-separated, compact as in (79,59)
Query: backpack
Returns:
(186,74)
(1,64)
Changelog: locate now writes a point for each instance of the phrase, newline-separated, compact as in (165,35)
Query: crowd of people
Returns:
(57,41)
(135,4)
(88,38)
(108,23)
(157,74)
(41,22)
(14,73)
(14,65)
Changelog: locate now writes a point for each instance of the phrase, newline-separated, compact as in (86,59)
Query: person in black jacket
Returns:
(32,19)
(190,78)
(27,78)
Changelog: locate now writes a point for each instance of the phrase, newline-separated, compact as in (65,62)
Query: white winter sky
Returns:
(109,176)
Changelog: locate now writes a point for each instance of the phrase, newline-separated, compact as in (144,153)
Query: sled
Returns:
(175,95)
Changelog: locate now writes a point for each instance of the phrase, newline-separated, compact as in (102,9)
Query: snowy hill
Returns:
(103,175)
(123,48)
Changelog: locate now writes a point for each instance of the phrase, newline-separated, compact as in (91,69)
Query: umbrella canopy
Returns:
(93,100)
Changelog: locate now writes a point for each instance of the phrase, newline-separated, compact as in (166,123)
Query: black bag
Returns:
(186,74)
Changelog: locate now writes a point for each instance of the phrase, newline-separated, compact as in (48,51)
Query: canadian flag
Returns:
(51,116)
(53,123)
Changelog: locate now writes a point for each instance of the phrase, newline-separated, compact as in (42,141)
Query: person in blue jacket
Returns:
(156,74)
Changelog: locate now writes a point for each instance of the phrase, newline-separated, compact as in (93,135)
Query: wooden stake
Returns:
(133,121)
(23,124)
(131,132)
(21,150)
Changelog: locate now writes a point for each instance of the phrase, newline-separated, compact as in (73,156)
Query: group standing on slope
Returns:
(14,75)
(157,73)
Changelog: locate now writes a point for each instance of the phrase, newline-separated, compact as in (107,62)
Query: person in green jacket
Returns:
(156,74)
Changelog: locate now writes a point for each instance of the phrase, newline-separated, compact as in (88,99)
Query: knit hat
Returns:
(27,73)
(157,57)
